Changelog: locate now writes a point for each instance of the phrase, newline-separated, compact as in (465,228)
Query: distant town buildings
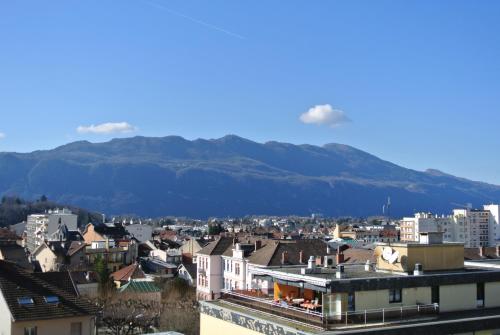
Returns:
(47,226)
(473,227)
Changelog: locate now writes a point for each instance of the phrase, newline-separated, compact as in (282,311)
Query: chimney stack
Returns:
(301,257)
(310,263)
(482,251)
(258,245)
(284,257)
(340,272)
(340,255)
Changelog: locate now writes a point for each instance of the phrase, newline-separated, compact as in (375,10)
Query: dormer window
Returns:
(51,299)
(25,301)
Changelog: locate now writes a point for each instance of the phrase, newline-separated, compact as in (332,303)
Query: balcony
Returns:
(256,300)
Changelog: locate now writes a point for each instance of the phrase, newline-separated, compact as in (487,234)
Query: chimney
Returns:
(284,257)
(368,266)
(339,256)
(340,272)
(310,263)
(258,245)
(482,251)
(301,257)
(418,270)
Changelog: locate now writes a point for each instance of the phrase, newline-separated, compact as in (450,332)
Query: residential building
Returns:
(187,272)
(110,242)
(223,264)
(12,252)
(41,227)
(417,288)
(31,303)
(59,256)
(141,232)
(126,274)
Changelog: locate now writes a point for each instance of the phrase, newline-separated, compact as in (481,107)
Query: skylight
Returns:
(25,301)
(51,299)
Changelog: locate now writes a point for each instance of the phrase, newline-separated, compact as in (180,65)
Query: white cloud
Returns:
(107,128)
(2,135)
(324,115)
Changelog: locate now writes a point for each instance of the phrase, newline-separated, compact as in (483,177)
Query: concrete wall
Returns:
(492,294)
(445,256)
(213,326)
(58,326)
(377,299)
(457,297)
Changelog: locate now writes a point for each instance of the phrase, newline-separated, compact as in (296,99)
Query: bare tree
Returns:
(123,314)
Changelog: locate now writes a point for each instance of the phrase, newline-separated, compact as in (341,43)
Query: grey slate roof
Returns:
(17,283)
(271,253)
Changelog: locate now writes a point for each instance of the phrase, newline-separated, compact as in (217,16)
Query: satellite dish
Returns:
(387,253)
(394,257)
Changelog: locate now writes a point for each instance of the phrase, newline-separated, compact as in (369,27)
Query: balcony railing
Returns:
(385,315)
(270,306)
(368,317)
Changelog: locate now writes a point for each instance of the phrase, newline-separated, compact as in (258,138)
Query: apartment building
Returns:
(473,227)
(417,288)
(42,227)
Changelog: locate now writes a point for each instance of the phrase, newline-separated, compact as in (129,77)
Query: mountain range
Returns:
(231,176)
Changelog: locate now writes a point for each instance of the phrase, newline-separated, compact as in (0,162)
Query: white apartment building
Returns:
(473,227)
(41,227)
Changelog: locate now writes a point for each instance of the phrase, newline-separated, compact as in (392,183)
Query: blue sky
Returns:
(413,82)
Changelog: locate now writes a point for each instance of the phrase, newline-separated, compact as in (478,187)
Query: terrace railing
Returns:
(272,307)
(385,315)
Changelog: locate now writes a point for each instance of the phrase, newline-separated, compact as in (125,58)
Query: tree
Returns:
(101,268)
(123,314)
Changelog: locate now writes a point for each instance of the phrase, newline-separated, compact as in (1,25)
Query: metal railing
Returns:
(272,307)
(383,315)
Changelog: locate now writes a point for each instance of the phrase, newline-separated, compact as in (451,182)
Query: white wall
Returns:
(5,318)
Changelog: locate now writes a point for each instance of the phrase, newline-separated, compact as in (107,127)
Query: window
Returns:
(30,331)
(76,328)
(51,299)
(25,301)
(480,295)
(395,295)
(435,294)
(237,268)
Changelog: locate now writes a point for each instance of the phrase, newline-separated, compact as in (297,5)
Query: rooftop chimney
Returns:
(340,272)
(339,256)
(284,257)
(310,263)
(258,245)
(368,265)
(301,257)
(418,270)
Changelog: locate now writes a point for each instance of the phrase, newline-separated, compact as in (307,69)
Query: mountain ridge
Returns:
(231,175)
